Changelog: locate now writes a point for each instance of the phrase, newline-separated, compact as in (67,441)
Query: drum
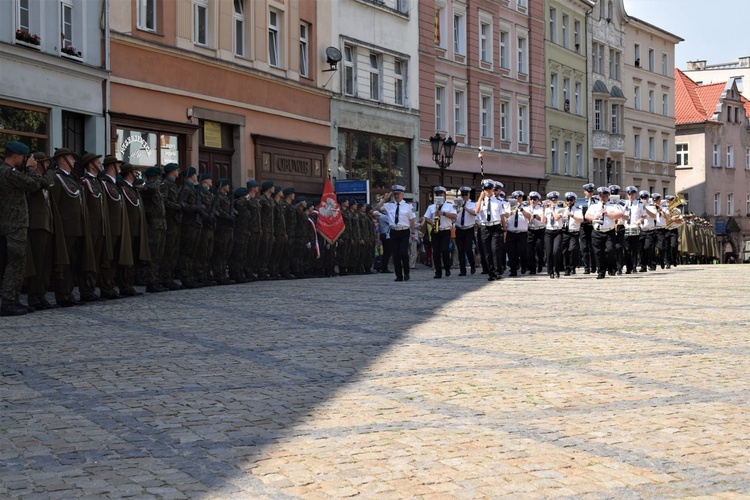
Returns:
(632,231)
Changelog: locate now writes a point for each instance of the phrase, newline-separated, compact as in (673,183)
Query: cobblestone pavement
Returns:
(627,387)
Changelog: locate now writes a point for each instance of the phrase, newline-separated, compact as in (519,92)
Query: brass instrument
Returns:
(439,200)
(674,216)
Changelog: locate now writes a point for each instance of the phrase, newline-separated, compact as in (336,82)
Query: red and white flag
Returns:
(330,223)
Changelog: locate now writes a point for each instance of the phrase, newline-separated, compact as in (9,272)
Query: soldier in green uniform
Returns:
(240,237)
(190,234)
(368,258)
(224,234)
(355,255)
(254,230)
(119,229)
(267,230)
(279,235)
(16,181)
(206,242)
(98,228)
(344,244)
(300,232)
(173,195)
(290,241)
(156,221)
(136,216)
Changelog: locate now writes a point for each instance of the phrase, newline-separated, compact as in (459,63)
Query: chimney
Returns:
(696,65)
(745,62)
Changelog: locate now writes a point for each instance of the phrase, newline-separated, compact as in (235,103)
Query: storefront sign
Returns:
(212,134)
(352,189)
(720,226)
(292,165)
(136,153)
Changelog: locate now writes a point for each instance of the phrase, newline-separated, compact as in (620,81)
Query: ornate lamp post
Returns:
(442,153)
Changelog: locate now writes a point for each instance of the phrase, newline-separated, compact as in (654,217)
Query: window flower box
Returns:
(71,52)
(26,39)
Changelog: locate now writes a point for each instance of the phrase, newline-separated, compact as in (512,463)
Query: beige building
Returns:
(702,73)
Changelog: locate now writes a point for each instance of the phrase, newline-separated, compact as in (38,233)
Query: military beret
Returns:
(126,168)
(170,167)
(368,207)
(18,148)
(59,152)
(345,200)
(153,172)
(88,158)
(251,183)
(314,202)
(288,191)
(191,171)
(204,176)
(301,198)
(398,188)
(277,189)
(352,202)
(40,156)
(110,159)
(222,182)
(240,192)
(602,190)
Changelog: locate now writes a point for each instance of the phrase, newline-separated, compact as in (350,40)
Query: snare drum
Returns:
(632,231)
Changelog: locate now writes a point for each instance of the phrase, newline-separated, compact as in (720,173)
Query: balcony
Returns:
(600,141)
(617,143)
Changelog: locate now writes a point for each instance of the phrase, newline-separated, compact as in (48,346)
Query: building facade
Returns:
(702,73)
(567,110)
(713,159)
(54,74)
(482,83)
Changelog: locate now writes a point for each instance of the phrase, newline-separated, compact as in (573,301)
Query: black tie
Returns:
(515,220)
(489,203)
(463,212)
(398,205)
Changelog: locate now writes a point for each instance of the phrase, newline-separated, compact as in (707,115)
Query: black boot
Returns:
(12,309)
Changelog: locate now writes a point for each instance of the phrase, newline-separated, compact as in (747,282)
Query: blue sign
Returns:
(347,186)
(720,226)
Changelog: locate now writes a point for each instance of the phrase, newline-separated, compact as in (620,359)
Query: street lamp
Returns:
(442,153)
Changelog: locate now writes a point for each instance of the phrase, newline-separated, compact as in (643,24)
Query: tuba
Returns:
(673,211)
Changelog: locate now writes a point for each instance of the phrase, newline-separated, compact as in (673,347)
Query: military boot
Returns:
(12,309)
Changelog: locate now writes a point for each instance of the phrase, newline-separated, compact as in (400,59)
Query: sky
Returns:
(713,30)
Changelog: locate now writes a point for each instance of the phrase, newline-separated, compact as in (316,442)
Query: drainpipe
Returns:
(106,83)
(588,96)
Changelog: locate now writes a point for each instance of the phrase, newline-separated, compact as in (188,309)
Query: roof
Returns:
(600,88)
(695,103)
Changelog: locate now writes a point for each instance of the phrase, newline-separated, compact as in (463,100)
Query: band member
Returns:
(491,215)
(505,208)
(572,219)
(660,226)
(671,236)
(465,219)
(587,253)
(552,218)
(402,216)
(648,235)
(614,191)
(442,214)
(603,216)
(636,214)
(516,235)
(535,249)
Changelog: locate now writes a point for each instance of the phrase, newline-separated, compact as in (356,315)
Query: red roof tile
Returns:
(694,103)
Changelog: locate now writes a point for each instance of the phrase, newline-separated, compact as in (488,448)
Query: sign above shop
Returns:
(292,165)
(137,140)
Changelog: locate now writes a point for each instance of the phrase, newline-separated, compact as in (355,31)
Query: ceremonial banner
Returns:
(330,223)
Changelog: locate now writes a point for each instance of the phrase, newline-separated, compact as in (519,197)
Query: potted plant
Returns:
(26,38)
(71,51)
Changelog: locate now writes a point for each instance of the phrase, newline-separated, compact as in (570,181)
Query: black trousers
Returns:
(553,250)
(604,250)
(400,242)
(535,250)
(441,251)
(632,251)
(587,250)
(672,237)
(647,239)
(660,252)
(465,245)
(491,237)
(619,248)
(387,251)
(516,245)
(570,250)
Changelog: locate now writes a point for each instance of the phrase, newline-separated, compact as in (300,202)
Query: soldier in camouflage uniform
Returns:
(101,240)
(355,256)
(190,234)
(267,227)
(240,238)
(16,180)
(206,242)
(300,228)
(224,234)
(254,231)
(291,242)
(344,244)
(279,235)
(173,195)
(138,230)
(368,258)
(156,220)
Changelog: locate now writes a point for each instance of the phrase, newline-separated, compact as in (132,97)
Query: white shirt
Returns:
(497,209)
(552,224)
(607,222)
(649,222)
(536,211)
(405,213)
(467,217)
(635,211)
(445,222)
(517,222)
(573,224)
(660,221)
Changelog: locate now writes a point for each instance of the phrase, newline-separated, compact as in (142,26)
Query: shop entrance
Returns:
(217,163)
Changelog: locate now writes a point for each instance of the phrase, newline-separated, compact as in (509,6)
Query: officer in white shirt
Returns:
(636,214)
(604,215)
(660,226)
(587,253)
(552,218)
(535,248)
(672,234)
(465,218)
(505,208)
(516,235)
(490,214)
(648,234)
(442,213)
(614,195)
(572,219)
(402,216)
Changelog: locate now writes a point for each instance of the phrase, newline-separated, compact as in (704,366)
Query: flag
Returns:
(330,223)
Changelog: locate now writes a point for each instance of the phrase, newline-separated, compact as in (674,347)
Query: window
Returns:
(665,104)
(747,158)
(747,205)
(440,26)
(717,156)
(614,64)
(565,31)
(579,160)
(459,112)
(610,10)
(504,58)
(682,155)
(504,122)
(566,94)
(521,4)
(200,22)
(730,156)
(522,139)
(665,150)
(637,146)
(637,55)
(577,98)
(402,6)
(566,158)
(399,70)
(485,42)
(615,120)
(717,203)
(239,27)
(651,148)
(146,14)
(374,76)
(598,114)
(664,64)
(736,115)
(555,167)
(439,108)
(349,71)
(730,204)
(651,60)
(26,124)
(522,55)
(304,49)
(553,90)
(274,26)
(66,18)
(24,18)
(637,98)
(729,114)
(486,116)
(650,101)
(73,131)
(596,65)
(459,34)
(577,35)
(553,25)
(382,160)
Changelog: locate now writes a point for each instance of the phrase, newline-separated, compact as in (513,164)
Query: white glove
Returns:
(309,245)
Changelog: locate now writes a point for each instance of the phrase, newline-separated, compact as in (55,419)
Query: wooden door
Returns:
(218,164)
